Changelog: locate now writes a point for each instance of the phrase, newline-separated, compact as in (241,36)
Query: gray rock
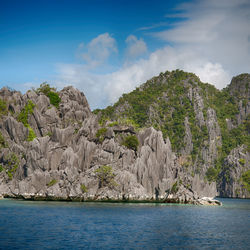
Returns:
(208,201)
(62,162)
(198,106)
(235,164)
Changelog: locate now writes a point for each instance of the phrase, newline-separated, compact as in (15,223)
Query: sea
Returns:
(99,225)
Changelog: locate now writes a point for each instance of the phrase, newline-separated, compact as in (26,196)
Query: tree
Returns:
(106,176)
(131,142)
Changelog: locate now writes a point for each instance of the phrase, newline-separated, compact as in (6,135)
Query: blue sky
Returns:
(106,48)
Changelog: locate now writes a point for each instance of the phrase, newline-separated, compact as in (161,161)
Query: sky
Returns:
(107,48)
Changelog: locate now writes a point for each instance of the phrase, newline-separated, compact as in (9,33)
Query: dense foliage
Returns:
(54,99)
(23,117)
(131,142)
(246,180)
(226,107)
(3,107)
(212,174)
(26,111)
(163,103)
(166,103)
(106,176)
(32,134)
(50,93)
(100,134)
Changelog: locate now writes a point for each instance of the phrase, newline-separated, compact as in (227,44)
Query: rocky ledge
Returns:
(209,201)
(188,196)
(107,194)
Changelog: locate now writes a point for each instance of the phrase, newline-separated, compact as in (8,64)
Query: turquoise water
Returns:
(65,225)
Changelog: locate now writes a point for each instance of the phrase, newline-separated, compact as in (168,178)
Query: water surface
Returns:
(65,225)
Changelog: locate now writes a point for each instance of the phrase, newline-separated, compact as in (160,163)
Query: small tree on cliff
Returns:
(106,176)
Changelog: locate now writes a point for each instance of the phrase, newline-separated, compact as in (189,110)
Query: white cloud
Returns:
(216,30)
(153,26)
(98,50)
(80,77)
(213,41)
(211,73)
(135,47)
(105,89)
(161,60)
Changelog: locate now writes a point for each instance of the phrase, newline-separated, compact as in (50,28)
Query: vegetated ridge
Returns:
(173,139)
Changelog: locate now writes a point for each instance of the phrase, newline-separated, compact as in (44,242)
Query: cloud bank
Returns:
(212,40)
(98,50)
(135,47)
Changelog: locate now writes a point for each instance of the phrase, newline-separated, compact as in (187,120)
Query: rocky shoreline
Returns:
(32,197)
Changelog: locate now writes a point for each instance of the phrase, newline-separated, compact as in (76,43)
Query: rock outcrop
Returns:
(235,165)
(63,153)
(204,126)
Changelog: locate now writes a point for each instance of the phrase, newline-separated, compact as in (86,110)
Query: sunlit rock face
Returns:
(64,151)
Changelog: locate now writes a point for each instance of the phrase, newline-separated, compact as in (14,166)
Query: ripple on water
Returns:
(39,225)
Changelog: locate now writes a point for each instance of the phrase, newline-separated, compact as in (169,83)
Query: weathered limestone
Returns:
(62,162)
(65,155)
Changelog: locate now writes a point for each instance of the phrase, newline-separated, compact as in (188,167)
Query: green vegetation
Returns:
(52,183)
(3,143)
(23,117)
(226,108)
(106,176)
(49,134)
(164,102)
(1,168)
(123,122)
(100,134)
(174,188)
(246,180)
(112,124)
(50,93)
(45,88)
(141,99)
(54,99)
(26,111)
(167,97)
(186,161)
(31,135)
(12,164)
(96,111)
(3,107)
(212,174)
(84,188)
(231,139)
(242,161)
(131,142)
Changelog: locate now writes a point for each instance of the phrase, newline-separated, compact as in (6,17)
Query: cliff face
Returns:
(236,169)
(167,145)
(234,178)
(205,126)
